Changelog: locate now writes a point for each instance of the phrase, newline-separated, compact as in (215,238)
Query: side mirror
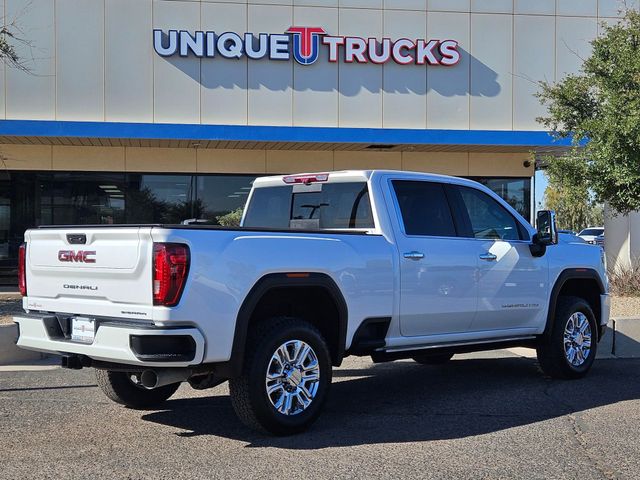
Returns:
(547,229)
(547,233)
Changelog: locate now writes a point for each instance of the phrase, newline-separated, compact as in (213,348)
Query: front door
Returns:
(438,289)
(512,283)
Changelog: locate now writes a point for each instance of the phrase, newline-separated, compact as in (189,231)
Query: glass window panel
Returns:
(270,207)
(489,219)
(218,195)
(515,191)
(159,198)
(17,213)
(424,208)
(337,205)
(82,198)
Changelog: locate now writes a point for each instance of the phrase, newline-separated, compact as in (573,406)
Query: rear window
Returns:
(313,207)
(424,208)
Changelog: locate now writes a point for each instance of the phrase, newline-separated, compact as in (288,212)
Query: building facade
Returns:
(144,111)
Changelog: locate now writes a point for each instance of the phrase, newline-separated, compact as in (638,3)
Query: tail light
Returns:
(170,270)
(22,267)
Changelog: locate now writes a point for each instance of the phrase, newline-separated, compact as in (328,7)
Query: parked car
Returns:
(589,234)
(599,240)
(384,264)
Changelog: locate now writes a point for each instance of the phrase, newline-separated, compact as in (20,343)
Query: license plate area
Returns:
(83,330)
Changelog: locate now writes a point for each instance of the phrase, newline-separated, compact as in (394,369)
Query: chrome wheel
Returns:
(577,339)
(293,377)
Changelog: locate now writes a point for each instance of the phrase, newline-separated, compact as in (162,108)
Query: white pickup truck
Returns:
(380,263)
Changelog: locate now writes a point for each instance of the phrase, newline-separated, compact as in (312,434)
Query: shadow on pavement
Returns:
(406,402)
(40,389)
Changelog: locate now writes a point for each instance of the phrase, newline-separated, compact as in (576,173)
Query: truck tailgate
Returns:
(103,271)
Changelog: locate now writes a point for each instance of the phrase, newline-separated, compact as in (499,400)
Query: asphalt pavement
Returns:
(480,416)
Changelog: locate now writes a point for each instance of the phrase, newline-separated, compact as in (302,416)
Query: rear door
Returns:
(512,283)
(104,271)
(438,290)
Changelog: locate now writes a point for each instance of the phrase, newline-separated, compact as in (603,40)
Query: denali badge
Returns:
(79,256)
(80,287)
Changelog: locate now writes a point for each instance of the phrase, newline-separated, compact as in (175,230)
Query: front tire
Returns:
(570,348)
(124,388)
(285,379)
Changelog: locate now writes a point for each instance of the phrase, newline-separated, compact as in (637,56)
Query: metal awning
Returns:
(117,134)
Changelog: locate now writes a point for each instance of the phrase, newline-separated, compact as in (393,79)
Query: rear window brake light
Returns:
(306,179)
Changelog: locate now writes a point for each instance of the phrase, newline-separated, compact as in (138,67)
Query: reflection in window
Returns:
(82,199)
(218,195)
(515,191)
(489,219)
(160,198)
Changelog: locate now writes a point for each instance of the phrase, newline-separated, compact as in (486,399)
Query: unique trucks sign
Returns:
(304,44)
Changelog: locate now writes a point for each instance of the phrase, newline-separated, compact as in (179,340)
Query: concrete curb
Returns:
(626,337)
(9,352)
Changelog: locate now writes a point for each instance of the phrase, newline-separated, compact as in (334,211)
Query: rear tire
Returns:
(120,387)
(297,382)
(569,350)
(439,359)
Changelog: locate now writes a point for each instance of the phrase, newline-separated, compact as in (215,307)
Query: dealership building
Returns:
(158,111)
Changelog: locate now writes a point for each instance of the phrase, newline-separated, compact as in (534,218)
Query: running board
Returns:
(390,354)
(456,344)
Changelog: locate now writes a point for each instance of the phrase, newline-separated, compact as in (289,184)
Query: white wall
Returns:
(94,60)
(622,239)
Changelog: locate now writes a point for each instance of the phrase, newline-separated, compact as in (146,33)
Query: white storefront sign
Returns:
(304,44)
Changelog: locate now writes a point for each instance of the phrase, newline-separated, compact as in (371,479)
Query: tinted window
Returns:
(76,198)
(269,208)
(592,231)
(324,206)
(218,195)
(488,218)
(160,198)
(424,208)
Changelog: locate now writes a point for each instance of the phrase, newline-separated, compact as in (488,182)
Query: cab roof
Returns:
(357,176)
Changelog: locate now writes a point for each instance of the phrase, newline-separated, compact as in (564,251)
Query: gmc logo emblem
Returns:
(79,256)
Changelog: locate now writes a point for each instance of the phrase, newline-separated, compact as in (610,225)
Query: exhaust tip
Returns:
(149,379)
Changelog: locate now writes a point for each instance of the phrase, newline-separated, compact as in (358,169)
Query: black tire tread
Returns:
(117,387)
(550,354)
(239,387)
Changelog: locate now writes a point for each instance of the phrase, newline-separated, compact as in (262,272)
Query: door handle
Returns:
(489,257)
(414,255)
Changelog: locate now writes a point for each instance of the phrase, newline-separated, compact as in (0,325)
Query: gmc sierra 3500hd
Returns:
(380,263)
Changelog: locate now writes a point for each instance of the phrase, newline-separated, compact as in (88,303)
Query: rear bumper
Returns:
(113,343)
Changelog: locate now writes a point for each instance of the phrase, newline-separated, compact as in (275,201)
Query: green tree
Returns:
(574,205)
(231,219)
(599,109)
